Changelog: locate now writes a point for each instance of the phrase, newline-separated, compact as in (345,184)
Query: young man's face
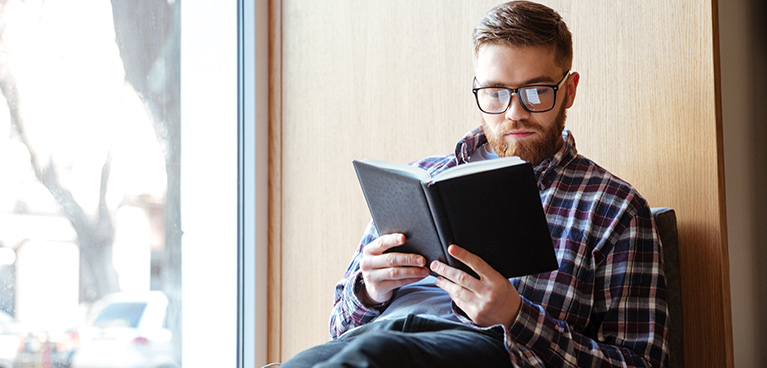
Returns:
(532,136)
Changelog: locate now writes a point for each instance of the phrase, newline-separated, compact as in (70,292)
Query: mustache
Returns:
(520,124)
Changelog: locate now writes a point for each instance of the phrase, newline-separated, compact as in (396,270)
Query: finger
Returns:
(455,275)
(394,273)
(473,261)
(384,243)
(393,259)
(462,297)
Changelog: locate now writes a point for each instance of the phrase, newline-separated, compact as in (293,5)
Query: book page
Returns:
(475,167)
(408,170)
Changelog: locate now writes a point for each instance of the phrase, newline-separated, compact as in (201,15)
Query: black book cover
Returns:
(495,214)
(398,205)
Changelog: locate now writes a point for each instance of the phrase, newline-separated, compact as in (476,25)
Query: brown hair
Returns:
(524,24)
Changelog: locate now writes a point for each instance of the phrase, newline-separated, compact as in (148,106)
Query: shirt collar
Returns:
(469,143)
(546,171)
(550,168)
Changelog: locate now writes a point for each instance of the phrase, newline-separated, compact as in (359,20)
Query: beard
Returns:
(531,150)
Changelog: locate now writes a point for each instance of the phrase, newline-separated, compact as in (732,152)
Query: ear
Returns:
(572,87)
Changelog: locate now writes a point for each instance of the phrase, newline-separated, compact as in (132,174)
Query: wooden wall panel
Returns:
(648,109)
(274,292)
(349,84)
(391,80)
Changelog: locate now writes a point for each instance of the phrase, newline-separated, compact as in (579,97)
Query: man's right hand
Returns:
(383,273)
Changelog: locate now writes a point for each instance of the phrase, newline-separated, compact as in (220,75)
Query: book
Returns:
(491,208)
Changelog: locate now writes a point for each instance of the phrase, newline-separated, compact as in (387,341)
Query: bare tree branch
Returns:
(95,237)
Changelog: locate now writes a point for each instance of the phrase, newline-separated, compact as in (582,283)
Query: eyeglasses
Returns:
(534,98)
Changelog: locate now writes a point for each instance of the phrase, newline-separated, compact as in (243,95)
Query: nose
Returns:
(515,110)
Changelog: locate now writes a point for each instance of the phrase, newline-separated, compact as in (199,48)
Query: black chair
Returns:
(665,221)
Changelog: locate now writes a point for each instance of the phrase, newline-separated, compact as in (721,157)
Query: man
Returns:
(605,306)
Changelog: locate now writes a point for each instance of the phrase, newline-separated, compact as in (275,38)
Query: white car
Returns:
(126,330)
(9,340)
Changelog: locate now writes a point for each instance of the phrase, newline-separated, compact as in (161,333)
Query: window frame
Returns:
(252,122)
(225,97)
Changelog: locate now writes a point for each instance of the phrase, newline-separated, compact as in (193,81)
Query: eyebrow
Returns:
(537,80)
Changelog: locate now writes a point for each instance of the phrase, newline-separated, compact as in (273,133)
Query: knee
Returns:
(374,349)
(309,357)
(381,340)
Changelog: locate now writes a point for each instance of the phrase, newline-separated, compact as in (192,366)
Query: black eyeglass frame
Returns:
(513,91)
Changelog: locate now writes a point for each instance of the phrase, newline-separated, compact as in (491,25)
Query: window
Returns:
(124,140)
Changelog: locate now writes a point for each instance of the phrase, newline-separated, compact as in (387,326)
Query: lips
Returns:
(519,133)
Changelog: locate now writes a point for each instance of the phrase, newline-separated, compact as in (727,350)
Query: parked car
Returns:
(10,340)
(46,349)
(127,330)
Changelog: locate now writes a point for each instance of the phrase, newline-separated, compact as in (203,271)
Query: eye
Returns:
(544,91)
(532,95)
(497,93)
(537,95)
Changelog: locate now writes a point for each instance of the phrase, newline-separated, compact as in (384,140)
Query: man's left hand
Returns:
(489,301)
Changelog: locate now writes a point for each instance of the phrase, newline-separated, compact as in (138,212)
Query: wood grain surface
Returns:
(391,80)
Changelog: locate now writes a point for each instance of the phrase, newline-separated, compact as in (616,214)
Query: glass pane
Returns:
(121,314)
(90,197)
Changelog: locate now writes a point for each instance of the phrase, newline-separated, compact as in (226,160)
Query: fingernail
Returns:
(452,249)
(420,261)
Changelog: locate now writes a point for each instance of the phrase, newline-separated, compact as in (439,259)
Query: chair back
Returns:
(665,221)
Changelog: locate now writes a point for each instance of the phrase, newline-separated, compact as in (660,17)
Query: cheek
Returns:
(545,120)
(493,121)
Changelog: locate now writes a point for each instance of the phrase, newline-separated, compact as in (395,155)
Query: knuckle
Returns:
(382,241)
(391,259)
(457,293)
(437,267)
(365,264)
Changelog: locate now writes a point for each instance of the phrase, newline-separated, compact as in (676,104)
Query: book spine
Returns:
(444,231)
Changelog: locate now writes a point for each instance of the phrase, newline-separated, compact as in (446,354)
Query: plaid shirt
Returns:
(604,307)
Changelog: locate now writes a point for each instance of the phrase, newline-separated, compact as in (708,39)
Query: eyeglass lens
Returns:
(494,100)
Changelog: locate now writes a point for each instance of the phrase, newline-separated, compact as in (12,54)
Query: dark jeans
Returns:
(408,342)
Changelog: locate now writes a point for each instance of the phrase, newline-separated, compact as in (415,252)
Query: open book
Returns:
(491,208)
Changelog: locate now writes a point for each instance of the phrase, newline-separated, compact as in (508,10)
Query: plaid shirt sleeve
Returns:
(606,306)
(348,311)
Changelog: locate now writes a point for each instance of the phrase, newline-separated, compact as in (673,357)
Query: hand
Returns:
(488,301)
(383,273)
